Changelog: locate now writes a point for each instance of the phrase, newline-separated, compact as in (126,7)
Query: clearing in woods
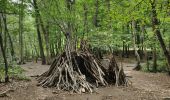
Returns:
(145,86)
(77,34)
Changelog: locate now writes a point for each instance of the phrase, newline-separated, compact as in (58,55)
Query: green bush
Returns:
(15,72)
(161,66)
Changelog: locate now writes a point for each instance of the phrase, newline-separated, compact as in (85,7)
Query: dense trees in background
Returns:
(32,29)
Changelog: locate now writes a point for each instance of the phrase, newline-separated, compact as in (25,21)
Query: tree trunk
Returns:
(46,36)
(96,21)
(154,59)
(147,58)
(156,30)
(5,60)
(85,19)
(52,52)
(9,37)
(3,9)
(21,32)
(37,52)
(126,51)
(143,39)
(38,33)
(169,44)
(123,51)
(138,66)
(70,27)
(108,3)
(59,44)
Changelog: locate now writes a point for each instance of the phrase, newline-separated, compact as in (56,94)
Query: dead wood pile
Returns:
(80,71)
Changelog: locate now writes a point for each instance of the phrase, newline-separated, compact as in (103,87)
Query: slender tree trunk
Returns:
(3,53)
(154,59)
(85,19)
(38,33)
(48,44)
(143,39)
(36,51)
(96,21)
(138,66)
(59,43)
(169,44)
(108,3)
(156,30)
(40,44)
(123,51)
(5,40)
(5,60)
(46,35)
(9,37)
(147,58)
(3,9)
(128,51)
(52,50)
(21,32)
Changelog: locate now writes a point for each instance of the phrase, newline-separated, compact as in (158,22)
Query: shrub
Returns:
(15,72)
(161,66)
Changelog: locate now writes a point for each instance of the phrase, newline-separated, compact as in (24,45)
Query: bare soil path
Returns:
(145,86)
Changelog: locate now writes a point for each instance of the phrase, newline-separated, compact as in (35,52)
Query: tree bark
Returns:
(38,33)
(154,59)
(21,31)
(46,34)
(85,19)
(96,21)
(169,44)
(156,30)
(5,60)
(108,3)
(142,40)
(126,51)
(123,51)
(138,66)
(147,58)
(3,9)
(9,37)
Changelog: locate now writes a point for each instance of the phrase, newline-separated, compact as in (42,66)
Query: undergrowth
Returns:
(14,72)
(161,66)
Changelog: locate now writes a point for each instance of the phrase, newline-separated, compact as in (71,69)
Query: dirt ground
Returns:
(145,86)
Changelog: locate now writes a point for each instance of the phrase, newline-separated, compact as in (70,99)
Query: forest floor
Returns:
(145,86)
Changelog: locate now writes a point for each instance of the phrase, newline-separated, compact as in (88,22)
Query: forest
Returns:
(84,49)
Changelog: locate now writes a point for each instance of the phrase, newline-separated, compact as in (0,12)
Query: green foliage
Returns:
(112,31)
(15,72)
(161,66)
